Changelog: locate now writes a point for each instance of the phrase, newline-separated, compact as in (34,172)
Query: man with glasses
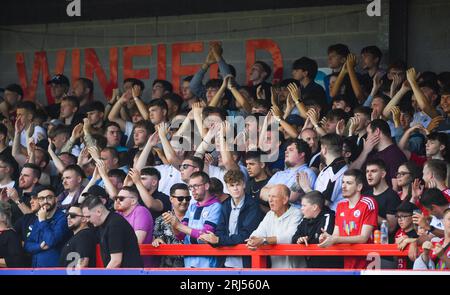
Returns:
(127,205)
(201,217)
(118,242)
(163,233)
(49,232)
(80,249)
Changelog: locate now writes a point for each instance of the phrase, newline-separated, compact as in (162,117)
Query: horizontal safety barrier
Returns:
(259,256)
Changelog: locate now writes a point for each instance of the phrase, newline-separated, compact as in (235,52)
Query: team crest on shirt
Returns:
(205,214)
(357,213)
(342,214)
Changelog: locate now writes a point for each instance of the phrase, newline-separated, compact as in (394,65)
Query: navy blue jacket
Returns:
(55,233)
(249,218)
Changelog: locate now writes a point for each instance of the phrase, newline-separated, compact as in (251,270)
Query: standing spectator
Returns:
(379,139)
(13,94)
(202,216)
(240,217)
(11,252)
(316,216)
(163,233)
(296,159)
(312,139)
(435,202)
(356,218)
(59,87)
(160,88)
(278,227)
(406,234)
(72,181)
(258,172)
(140,219)
(83,241)
(49,232)
(69,114)
(147,183)
(118,242)
(83,90)
(386,198)
(329,180)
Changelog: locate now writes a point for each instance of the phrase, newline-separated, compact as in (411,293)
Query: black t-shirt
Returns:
(388,201)
(317,93)
(11,248)
(253,189)
(117,236)
(53,110)
(83,243)
(167,206)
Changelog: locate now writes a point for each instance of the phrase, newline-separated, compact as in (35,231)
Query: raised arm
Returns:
(422,101)
(169,152)
(59,164)
(396,99)
(152,141)
(339,81)
(218,96)
(376,85)
(139,103)
(227,157)
(114,115)
(295,93)
(351,63)
(232,86)
(146,196)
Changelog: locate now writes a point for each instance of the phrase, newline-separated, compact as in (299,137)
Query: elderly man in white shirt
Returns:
(278,227)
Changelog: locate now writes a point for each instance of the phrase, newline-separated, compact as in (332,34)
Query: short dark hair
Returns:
(333,142)
(438,167)
(414,170)
(443,139)
(254,155)
(337,115)
(265,67)
(340,49)
(382,125)
(315,198)
(118,173)
(188,78)
(199,162)
(158,102)
(215,186)
(306,64)
(151,172)
(3,129)
(112,123)
(203,175)
(35,168)
(406,207)
(60,129)
(214,110)
(135,81)
(398,64)
(165,84)
(87,83)
(77,169)
(176,186)
(114,153)
(173,97)
(373,50)
(92,202)
(214,83)
(132,189)
(366,111)
(46,188)
(27,105)
(15,88)
(144,124)
(433,196)
(96,106)
(301,145)
(357,174)
(377,162)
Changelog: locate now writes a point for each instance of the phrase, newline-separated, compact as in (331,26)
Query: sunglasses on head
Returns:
(182,198)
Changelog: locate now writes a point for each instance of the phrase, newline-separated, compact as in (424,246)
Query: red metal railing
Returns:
(259,257)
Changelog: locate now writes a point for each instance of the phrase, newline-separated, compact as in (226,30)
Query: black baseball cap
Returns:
(97,191)
(59,79)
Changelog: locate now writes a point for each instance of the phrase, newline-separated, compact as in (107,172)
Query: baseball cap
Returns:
(59,79)
(97,191)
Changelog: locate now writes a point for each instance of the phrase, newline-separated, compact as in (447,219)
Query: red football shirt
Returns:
(350,222)
(438,263)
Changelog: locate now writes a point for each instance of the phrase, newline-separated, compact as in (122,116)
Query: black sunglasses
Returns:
(182,198)
(73,215)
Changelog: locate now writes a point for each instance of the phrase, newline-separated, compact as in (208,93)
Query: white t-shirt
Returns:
(37,130)
(169,176)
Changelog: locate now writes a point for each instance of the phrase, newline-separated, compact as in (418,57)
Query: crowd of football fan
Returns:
(288,162)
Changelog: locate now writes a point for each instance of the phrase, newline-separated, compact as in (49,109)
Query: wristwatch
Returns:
(265,242)
(18,202)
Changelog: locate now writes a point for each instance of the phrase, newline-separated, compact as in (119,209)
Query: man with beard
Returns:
(49,232)
(28,181)
(118,242)
(387,199)
(83,90)
(312,139)
(296,158)
(81,247)
(127,205)
(201,217)
(257,171)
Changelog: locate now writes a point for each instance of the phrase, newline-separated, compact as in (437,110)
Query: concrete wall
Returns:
(429,35)
(298,32)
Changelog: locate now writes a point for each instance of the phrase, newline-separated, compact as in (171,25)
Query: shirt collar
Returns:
(238,207)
